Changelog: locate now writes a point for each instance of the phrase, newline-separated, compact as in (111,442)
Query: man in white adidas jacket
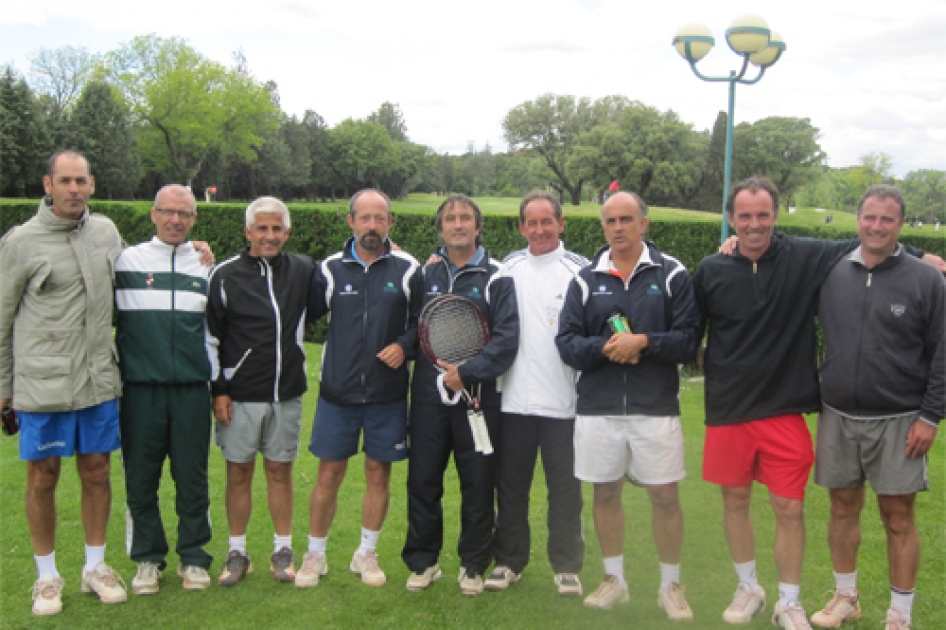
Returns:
(538,404)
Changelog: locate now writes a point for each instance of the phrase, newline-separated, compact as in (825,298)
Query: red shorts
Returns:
(777,452)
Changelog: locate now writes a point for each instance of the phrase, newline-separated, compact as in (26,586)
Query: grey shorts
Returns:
(852,450)
(268,428)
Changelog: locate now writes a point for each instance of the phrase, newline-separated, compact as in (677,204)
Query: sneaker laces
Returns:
(568,578)
(675,595)
(895,617)
(609,583)
(371,562)
(740,600)
(309,561)
(148,571)
(107,577)
(797,614)
(47,589)
(283,557)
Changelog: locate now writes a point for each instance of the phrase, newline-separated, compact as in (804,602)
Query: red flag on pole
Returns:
(614,187)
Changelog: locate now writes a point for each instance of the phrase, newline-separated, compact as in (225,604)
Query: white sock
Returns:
(746,573)
(281,541)
(788,593)
(317,544)
(238,543)
(93,555)
(903,602)
(46,565)
(369,540)
(669,574)
(615,566)
(846,583)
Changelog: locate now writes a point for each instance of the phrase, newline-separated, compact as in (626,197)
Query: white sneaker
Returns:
(841,608)
(501,578)
(471,582)
(194,578)
(612,591)
(148,579)
(420,581)
(895,621)
(47,595)
(366,565)
(672,600)
(746,604)
(105,583)
(568,584)
(790,616)
(314,566)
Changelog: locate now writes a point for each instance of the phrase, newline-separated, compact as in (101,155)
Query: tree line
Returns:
(156,111)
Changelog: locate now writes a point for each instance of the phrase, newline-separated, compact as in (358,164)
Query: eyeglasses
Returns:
(183,214)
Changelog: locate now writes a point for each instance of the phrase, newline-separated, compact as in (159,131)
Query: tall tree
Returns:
(550,126)
(390,117)
(62,73)
(23,146)
(784,149)
(190,106)
(360,153)
(101,129)
(925,193)
(714,167)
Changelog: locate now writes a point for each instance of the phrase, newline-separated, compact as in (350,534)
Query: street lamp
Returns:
(749,37)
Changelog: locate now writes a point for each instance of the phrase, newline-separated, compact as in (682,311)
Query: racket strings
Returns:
(455,331)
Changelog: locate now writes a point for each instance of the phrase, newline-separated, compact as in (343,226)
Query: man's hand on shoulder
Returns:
(935,261)
(729,246)
(206,254)
(920,438)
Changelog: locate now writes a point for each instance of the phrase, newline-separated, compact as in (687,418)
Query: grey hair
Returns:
(267,205)
(180,191)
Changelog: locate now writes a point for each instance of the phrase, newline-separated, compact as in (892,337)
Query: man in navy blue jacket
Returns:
(628,419)
(372,296)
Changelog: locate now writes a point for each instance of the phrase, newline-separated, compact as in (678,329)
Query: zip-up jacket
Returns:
(760,353)
(256,313)
(56,300)
(539,383)
(657,301)
(161,296)
(484,284)
(369,308)
(884,338)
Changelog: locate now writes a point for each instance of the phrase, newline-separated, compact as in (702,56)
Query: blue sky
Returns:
(864,73)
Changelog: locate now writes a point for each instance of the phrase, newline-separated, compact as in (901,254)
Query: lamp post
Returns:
(749,37)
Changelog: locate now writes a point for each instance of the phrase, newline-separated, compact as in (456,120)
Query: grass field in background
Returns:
(341,601)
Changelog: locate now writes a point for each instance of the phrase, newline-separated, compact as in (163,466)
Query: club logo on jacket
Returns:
(349,291)
(149,280)
(898,310)
(390,288)
(474,293)
(654,290)
(602,290)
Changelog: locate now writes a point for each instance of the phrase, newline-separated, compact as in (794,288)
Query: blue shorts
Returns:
(337,427)
(65,433)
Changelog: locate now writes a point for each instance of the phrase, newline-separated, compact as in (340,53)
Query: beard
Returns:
(370,241)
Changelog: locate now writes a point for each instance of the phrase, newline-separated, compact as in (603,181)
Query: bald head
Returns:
(174,213)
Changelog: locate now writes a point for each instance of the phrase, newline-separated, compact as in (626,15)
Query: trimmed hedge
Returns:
(320,231)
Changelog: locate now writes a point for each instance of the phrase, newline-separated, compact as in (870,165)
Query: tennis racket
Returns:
(453,329)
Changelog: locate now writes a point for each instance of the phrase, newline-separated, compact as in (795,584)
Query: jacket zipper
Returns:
(860,342)
(757,282)
(173,308)
(267,271)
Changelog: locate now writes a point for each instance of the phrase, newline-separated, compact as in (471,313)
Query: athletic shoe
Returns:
(313,567)
(895,621)
(147,580)
(568,584)
(194,578)
(672,600)
(283,565)
(471,582)
(790,616)
(612,591)
(746,604)
(841,608)
(366,565)
(105,583)
(237,566)
(501,578)
(420,581)
(47,595)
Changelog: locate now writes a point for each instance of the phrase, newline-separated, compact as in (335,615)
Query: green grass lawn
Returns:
(341,601)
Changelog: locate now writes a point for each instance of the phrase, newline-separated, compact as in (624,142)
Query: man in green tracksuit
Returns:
(161,295)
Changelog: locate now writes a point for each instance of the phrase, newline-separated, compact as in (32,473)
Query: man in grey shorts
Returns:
(255,309)
(883,398)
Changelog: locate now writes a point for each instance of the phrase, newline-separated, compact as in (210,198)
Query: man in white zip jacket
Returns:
(538,405)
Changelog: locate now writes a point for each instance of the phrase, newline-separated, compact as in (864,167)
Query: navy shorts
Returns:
(65,433)
(336,430)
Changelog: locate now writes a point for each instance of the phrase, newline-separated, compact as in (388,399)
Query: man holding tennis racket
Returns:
(629,318)
(372,294)
(450,405)
(539,407)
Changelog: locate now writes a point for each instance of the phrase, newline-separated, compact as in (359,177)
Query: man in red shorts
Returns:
(761,376)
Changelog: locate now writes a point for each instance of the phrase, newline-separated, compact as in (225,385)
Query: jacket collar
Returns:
(55,222)
(648,258)
(347,255)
